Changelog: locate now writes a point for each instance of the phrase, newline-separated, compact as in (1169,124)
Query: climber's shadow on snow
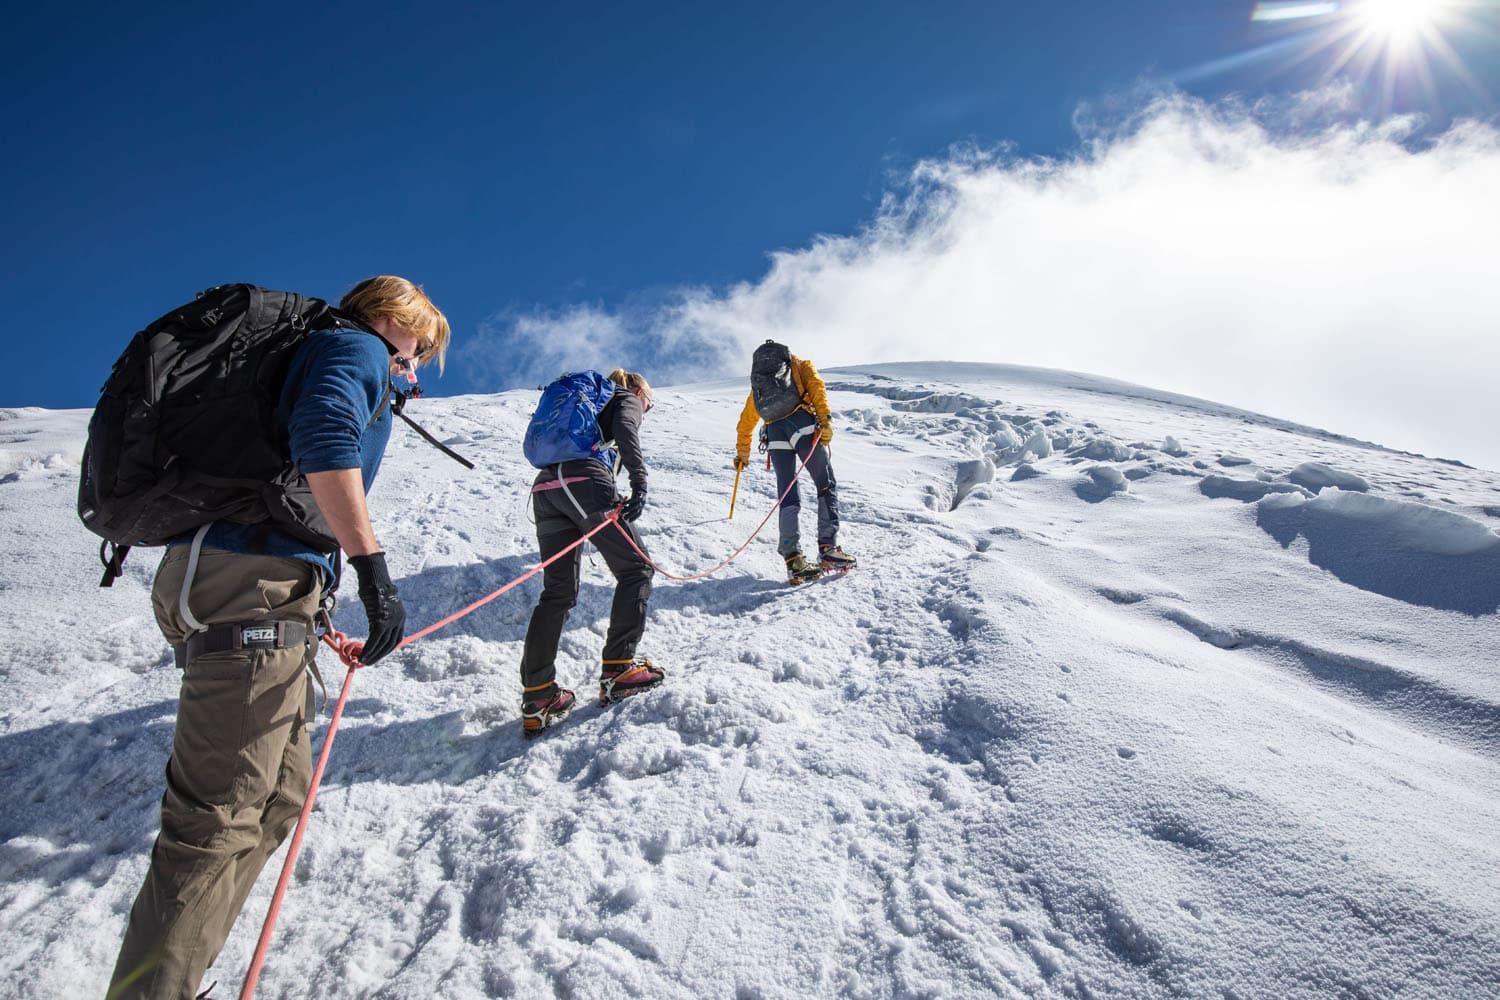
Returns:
(438,592)
(718,594)
(430,749)
(1378,555)
(95,783)
(435,593)
(436,749)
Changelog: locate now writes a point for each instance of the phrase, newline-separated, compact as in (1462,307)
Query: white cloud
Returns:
(1340,274)
(518,349)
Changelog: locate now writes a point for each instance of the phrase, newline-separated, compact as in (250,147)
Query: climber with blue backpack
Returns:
(586,427)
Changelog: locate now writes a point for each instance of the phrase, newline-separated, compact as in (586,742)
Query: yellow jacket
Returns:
(809,385)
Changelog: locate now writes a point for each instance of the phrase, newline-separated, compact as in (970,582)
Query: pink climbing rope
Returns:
(735,554)
(348,651)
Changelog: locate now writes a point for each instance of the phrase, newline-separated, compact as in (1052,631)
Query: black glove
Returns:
(383,609)
(635,504)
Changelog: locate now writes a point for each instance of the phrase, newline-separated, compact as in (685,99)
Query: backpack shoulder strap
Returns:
(385,400)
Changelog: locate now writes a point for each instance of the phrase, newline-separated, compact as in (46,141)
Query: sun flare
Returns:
(1404,48)
(1399,22)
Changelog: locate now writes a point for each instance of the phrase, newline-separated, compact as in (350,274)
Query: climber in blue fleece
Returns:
(335,411)
(237,602)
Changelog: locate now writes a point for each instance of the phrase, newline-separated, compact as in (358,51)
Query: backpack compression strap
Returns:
(114,563)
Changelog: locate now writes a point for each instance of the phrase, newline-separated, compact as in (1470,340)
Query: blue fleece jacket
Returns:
(336,381)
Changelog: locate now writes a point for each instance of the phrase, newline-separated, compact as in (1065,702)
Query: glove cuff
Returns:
(371,571)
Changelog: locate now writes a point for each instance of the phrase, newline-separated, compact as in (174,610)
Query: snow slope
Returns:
(1119,705)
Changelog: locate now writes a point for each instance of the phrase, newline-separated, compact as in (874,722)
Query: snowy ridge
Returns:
(1118,704)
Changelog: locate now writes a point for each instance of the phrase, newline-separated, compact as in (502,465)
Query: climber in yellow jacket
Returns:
(788,394)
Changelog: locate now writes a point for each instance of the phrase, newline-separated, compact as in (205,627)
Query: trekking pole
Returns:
(735,495)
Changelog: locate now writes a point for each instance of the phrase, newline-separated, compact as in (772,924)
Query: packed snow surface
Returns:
(1132,696)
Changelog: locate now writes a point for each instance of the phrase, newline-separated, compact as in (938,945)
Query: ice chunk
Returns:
(1245,490)
(1006,444)
(1104,481)
(1418,526)
(969,475)
(1039,444)
(1104,450)
(940,402)
(1316,476)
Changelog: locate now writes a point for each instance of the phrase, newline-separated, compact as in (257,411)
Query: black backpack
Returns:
(771,384)
(185,430)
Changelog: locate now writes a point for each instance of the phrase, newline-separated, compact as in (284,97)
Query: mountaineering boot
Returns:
(799,570)
(832,559)
(544,708)
(619,679)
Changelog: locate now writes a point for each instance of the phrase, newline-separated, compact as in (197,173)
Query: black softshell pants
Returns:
(558,524)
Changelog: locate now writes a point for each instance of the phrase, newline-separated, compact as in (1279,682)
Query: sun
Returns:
(1399,47)
(1400,24)
(1396,41)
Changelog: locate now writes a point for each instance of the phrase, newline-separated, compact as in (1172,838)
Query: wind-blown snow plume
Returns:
(1336,274)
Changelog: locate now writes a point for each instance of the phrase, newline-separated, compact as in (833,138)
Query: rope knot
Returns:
(347,649)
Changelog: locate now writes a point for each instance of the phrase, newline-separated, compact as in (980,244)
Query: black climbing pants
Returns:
(562,517)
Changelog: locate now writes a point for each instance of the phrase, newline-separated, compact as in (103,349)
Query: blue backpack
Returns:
(565,425)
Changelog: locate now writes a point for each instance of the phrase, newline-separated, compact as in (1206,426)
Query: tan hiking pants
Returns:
(239,770)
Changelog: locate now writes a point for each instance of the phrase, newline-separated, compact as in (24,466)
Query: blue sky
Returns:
(535,164)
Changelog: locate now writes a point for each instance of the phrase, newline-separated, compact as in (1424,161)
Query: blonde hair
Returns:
(634,381)
(387,296)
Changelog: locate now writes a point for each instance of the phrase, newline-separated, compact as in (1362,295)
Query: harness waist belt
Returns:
(791,444)
(240,635)
(557,484)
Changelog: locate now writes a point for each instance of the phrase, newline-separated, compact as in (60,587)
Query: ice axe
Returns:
(735,495)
